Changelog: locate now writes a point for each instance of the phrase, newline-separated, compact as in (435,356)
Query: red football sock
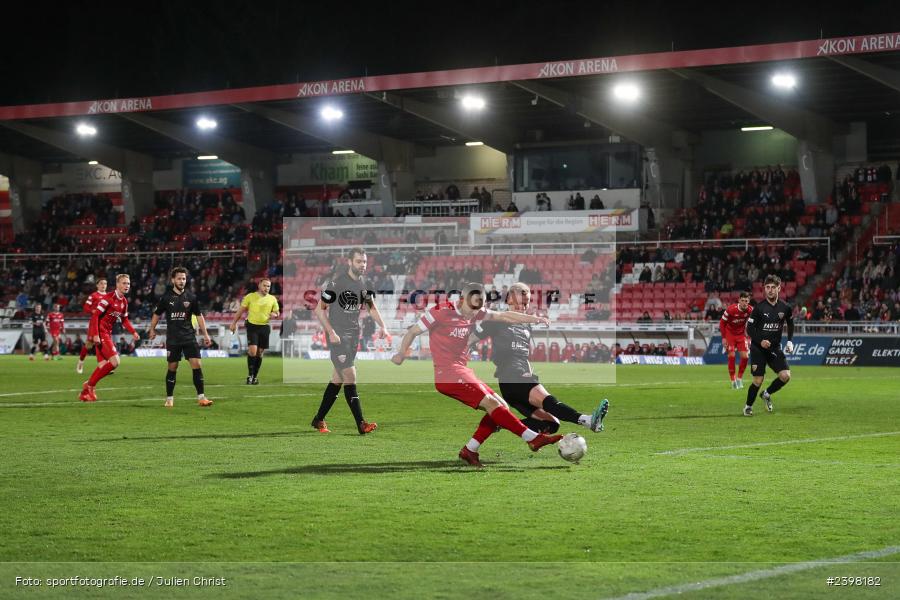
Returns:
(99,373)
(486,428)
(731,366)
(743,366)
(84,352)
(505,419)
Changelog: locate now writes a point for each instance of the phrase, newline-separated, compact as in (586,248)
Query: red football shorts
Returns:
(461,384)
(736,343)
(106,349)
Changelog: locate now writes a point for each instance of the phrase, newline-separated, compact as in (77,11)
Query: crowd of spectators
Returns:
(867,291)
(219,282)
(719,268)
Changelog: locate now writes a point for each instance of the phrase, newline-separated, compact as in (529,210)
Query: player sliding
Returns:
(179,305)
(449,327)
(519,385)
(764,328)
(89,306)
(338,312)
(109,309)
(732,327)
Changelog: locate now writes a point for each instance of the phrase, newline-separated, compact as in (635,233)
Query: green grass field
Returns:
(679,490)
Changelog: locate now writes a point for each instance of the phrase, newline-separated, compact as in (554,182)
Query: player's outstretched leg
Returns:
(170,387)
(741,368)
(752,391)
(731,369)
(469,452)
(500,414)
(352,398)
(328,399)
(779,382)
(79,366)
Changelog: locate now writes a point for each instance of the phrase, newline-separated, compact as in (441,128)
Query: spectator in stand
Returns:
(646,275)
(512,207)
(597,203)
(486,199)
(645,318)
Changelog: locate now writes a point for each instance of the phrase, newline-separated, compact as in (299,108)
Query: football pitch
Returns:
(680,496)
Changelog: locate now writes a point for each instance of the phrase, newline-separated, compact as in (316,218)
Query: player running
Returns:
(764,328)
(338,312)
(88,306)
(180,305)
(38,331)
(732,326)
(110,308)
(56,323)
(519,385)
(449,327)
(260,306)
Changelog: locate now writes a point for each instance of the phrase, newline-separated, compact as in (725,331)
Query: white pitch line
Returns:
(758,575)
(143,387)
(779,443)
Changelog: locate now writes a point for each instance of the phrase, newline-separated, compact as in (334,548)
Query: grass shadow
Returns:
(438,466)
(210,436)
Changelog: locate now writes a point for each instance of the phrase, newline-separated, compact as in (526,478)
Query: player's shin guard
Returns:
(353,402)
(742,368)
(731,366)
(752,391)
(84,351)
(198,381)
(505,419)
(170,383)
(486,429)
(560,410)
(776,385)
(328,398)
(99,373)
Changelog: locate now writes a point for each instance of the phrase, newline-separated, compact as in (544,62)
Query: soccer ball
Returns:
(572,447)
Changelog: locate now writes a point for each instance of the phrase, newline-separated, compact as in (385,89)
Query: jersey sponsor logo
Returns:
(186,304)
(348,300)
(460,332)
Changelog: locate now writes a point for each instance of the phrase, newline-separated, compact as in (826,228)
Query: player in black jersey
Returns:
(180,306)
(764,330)
(338,312)
(39,332)
(519,385)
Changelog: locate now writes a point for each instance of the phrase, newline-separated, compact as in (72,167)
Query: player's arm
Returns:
(754,326)
(723,323)
(411,334)
(478,334)
(789,319)
(516,318)
(376,316)
(126,323)
(154,321)
(240,313)
(276,310)
(322,315)
(94,325)
(201,323)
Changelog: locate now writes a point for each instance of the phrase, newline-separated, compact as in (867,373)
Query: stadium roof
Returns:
(839,80)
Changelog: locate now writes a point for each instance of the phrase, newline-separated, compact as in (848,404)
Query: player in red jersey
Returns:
(732,326)
(56,324)
(449,327)
(89,305)
(110,308)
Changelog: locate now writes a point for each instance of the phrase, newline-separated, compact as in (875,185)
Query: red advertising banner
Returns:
(865,44)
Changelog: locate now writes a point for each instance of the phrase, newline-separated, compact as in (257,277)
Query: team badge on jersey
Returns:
(342,357)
